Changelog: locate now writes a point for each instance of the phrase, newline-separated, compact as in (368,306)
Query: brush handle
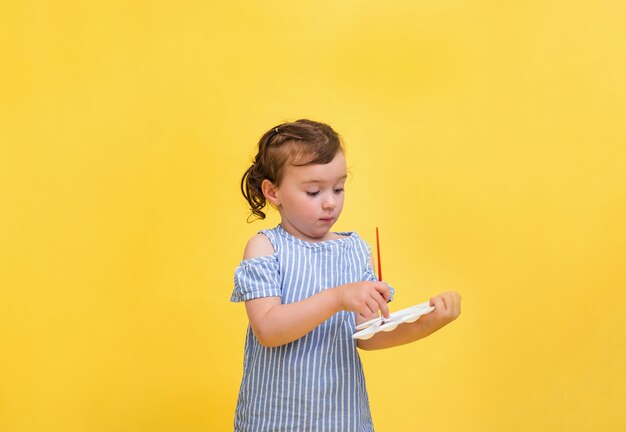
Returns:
(380,271)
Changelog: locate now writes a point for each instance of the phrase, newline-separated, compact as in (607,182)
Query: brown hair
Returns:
(303,142)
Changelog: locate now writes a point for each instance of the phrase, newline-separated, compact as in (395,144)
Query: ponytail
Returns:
(251,189)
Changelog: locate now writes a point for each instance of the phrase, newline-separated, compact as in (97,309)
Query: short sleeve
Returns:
(369,275)
(256,278)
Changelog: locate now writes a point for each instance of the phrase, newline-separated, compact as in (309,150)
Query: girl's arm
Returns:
(447,309)
(274,323)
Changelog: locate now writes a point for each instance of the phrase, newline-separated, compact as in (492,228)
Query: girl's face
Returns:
(310,198)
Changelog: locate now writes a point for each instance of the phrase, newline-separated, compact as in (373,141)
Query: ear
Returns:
(271,192)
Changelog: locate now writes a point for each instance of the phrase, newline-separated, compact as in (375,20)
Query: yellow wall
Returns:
(486,140)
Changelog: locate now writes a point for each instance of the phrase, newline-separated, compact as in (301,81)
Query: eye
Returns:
(338,190)
(312,194)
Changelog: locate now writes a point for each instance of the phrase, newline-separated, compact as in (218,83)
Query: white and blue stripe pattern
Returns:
(315,383)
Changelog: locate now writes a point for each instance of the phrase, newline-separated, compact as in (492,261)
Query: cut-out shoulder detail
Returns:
(258,246)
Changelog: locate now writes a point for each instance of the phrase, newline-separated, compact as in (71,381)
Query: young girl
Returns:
(306,288)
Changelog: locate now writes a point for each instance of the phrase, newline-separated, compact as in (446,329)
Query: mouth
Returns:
(327,219)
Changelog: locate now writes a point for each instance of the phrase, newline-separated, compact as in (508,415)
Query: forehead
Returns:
(330,172)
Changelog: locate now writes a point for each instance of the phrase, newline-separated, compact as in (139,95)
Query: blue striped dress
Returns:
(315,383)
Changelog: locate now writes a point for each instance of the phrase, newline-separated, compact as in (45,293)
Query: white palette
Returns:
(369,328)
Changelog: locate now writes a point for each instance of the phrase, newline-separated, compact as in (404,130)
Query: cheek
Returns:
(302,205)
(340,201)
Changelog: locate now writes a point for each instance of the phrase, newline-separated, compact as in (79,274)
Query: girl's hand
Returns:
(447,308)
(364,298)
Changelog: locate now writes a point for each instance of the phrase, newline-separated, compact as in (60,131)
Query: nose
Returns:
(330,201)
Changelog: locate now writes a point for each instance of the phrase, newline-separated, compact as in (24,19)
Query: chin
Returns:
(319,235)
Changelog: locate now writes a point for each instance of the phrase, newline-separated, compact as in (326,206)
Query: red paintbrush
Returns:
(380,272)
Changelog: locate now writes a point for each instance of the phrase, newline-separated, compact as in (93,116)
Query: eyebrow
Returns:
(324,181)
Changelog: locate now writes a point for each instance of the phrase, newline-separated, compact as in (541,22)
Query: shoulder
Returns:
(258,246)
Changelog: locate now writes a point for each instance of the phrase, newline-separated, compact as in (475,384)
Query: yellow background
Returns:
(486,139)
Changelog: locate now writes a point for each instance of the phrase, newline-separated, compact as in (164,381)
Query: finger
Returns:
(451,300)
(452,303)
(438,303)
(365,315)
(382,304)
(366,311)
(457,305)
(372,305)
(384,290)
